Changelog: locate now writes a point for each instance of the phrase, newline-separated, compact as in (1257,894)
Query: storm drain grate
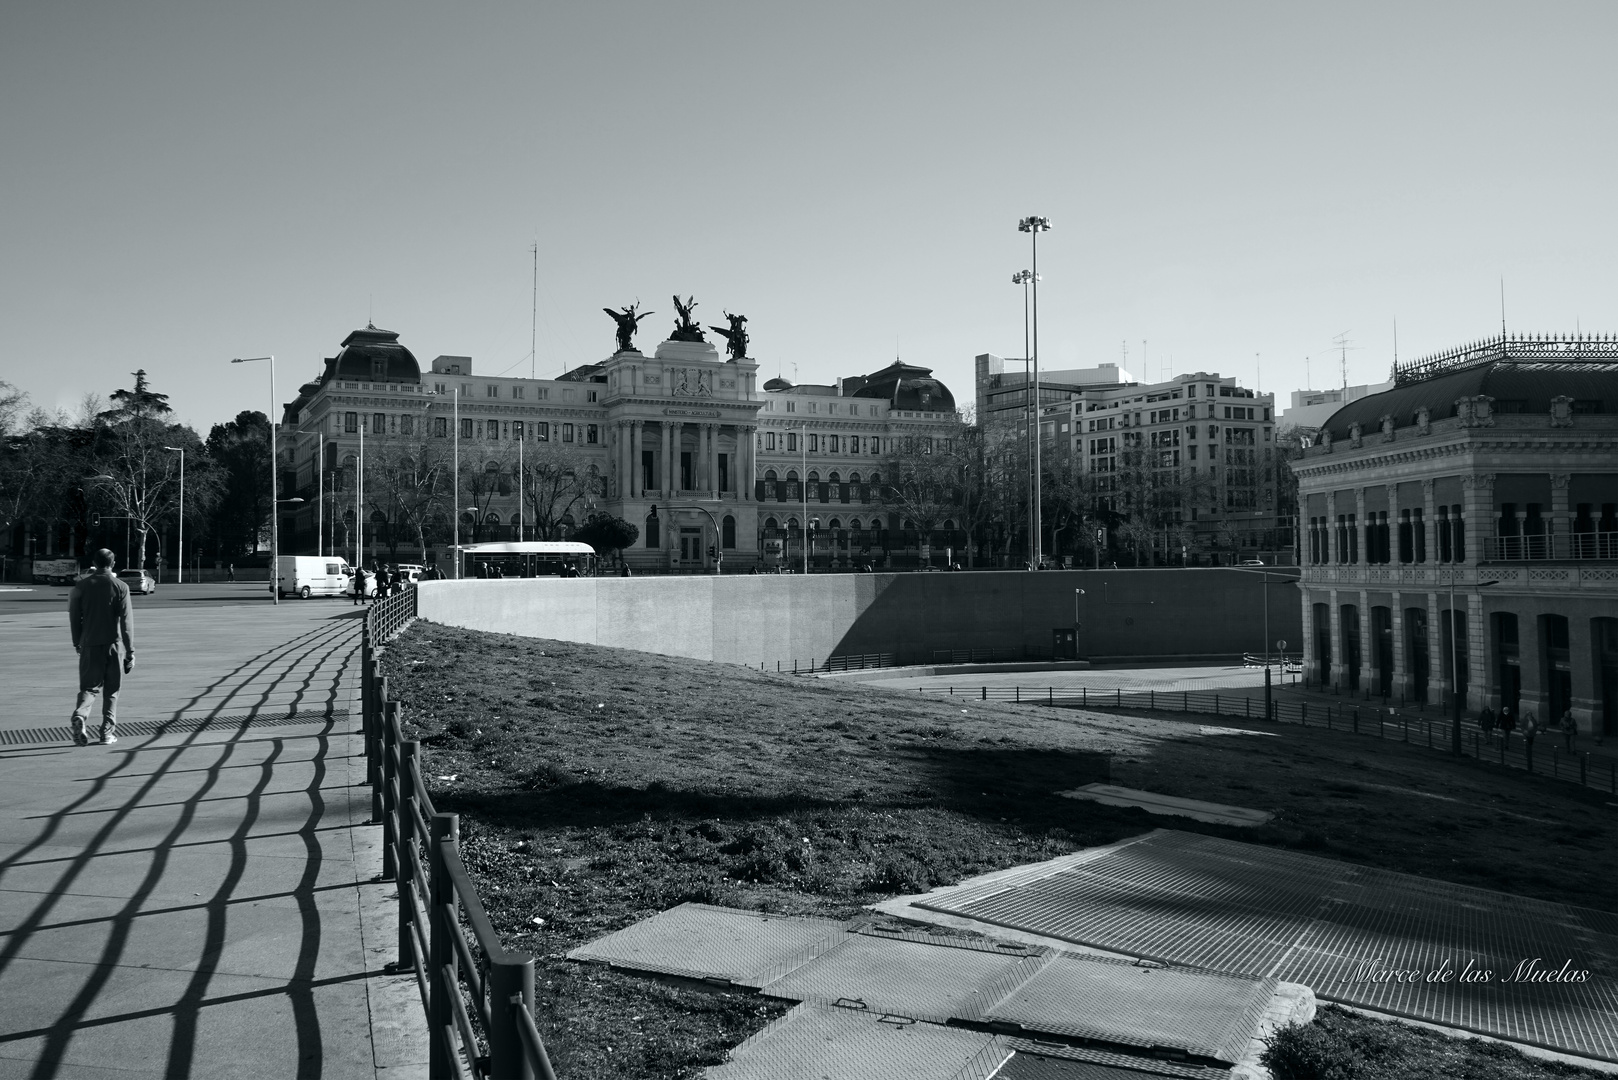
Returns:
(1248,910)
(817,1041)
(1192,1013)
(186,725)
(699,941)
(1029,1052)
(916,975)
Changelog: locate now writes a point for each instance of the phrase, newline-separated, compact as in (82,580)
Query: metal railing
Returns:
(1376,721)
(478,995)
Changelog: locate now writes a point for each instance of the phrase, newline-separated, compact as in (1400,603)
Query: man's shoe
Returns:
(108,738)
(79,737)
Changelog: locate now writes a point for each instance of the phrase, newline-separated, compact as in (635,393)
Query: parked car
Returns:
(139,581)
(1251,562)
(411,571)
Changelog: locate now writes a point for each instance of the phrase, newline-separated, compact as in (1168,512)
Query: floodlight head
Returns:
(1034,224)
(176,449)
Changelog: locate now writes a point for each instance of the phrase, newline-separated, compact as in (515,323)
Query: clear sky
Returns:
(188,181)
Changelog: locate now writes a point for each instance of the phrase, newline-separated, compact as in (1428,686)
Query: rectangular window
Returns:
(516,430)
(407,424)
(853,444)
(592,395)
(351,424)
(441,426)
(517,392)
(876,444)
(592,434)
(833,447)
(493,428)
(567,432)
(492,390)
(438,388)
(542,430)
(814,445)
(466,428)
(1193,456)
(792,406)
(379,424)
(769,444)
(792,443)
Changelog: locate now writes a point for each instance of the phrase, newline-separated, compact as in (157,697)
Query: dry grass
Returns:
(599,786)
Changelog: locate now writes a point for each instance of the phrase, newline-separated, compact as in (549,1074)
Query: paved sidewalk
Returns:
(197,900)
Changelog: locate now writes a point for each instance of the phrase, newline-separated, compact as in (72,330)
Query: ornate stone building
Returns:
(1488,474)
(678,429)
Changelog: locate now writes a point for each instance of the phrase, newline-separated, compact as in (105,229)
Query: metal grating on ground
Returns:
(183,725)
(1227,906)
(699,941)
(1132,1066)
(1203,1015)
(917,975)
(816,1042)
(1040,1067)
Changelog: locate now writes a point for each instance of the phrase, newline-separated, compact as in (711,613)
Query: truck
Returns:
(56,571)
(311,575)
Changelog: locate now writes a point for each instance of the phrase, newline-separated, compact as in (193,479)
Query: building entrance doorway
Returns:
(1351,646)
(691,552)
(1323,643)
(1416,661)
(1382,637)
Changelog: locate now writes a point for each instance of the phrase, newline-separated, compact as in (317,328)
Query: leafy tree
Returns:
(240,450)
(607,534)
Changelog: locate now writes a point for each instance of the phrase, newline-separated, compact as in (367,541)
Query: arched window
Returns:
(653,539)
(876,479)
(835,524)
(854,525)
(771,523)
(792,525)
(854,478)
(491,519)
(814,476)
(769,474)
(949,524)
(834,479)
(727,532)
(378,518)
(792,476)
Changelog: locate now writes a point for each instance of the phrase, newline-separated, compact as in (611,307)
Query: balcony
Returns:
(1549,547)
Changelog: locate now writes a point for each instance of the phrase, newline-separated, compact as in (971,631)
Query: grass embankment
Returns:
(599,786)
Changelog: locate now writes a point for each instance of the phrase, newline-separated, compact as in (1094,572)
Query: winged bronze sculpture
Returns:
(685,327)
(628,322)
(736,335)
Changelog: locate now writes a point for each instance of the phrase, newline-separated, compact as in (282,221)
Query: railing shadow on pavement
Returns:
(479,996)
(51,1042)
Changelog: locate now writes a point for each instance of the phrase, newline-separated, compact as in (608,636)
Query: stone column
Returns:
(634,489)
(1560,541)
(1401,670)
(1394,532)
(1477,501)
(1310,668)
(669,448)
(1339,655)
(713,461)
(748,440)
(1332,553)
(1437,655)
(1429,525)
(1361,529)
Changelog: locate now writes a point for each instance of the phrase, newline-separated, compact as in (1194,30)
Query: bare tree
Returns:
(408,481)
(557,481)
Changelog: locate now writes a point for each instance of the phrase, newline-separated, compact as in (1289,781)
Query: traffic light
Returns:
(95,520)
(711,552)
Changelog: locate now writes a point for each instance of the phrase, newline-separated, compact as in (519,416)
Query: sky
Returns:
(1231,186)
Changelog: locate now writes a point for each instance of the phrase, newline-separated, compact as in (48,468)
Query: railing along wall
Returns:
(478,995)
(1599,772)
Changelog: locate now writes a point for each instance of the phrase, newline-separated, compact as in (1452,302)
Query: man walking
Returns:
(98,614)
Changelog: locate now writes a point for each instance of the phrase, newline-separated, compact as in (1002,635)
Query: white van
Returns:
(311,575)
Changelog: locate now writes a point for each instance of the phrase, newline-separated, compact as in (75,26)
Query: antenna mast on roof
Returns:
(533,322)
(1341,342)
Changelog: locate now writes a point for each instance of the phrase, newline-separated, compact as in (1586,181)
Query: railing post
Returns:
(409,863)
(378,741)
(390,791)
(511,987)
(443,977)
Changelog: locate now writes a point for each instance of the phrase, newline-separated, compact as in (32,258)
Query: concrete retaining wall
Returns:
(769,618)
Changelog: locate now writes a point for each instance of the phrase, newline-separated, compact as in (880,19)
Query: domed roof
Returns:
(777,383)
(374,356)
(1522,376)
(906,386)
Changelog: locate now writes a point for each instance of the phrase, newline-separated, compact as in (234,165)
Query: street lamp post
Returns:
(1454,663)
(1024,278)
(275,487)
(718,537)
(1034,226)
(179,555)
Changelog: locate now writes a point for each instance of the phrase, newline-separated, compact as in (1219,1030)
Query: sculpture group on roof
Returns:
(686,328)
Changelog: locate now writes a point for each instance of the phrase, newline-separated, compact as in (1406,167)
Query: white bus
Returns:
(528,558)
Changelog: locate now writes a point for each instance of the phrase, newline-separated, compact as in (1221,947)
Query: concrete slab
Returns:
(1153,803)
